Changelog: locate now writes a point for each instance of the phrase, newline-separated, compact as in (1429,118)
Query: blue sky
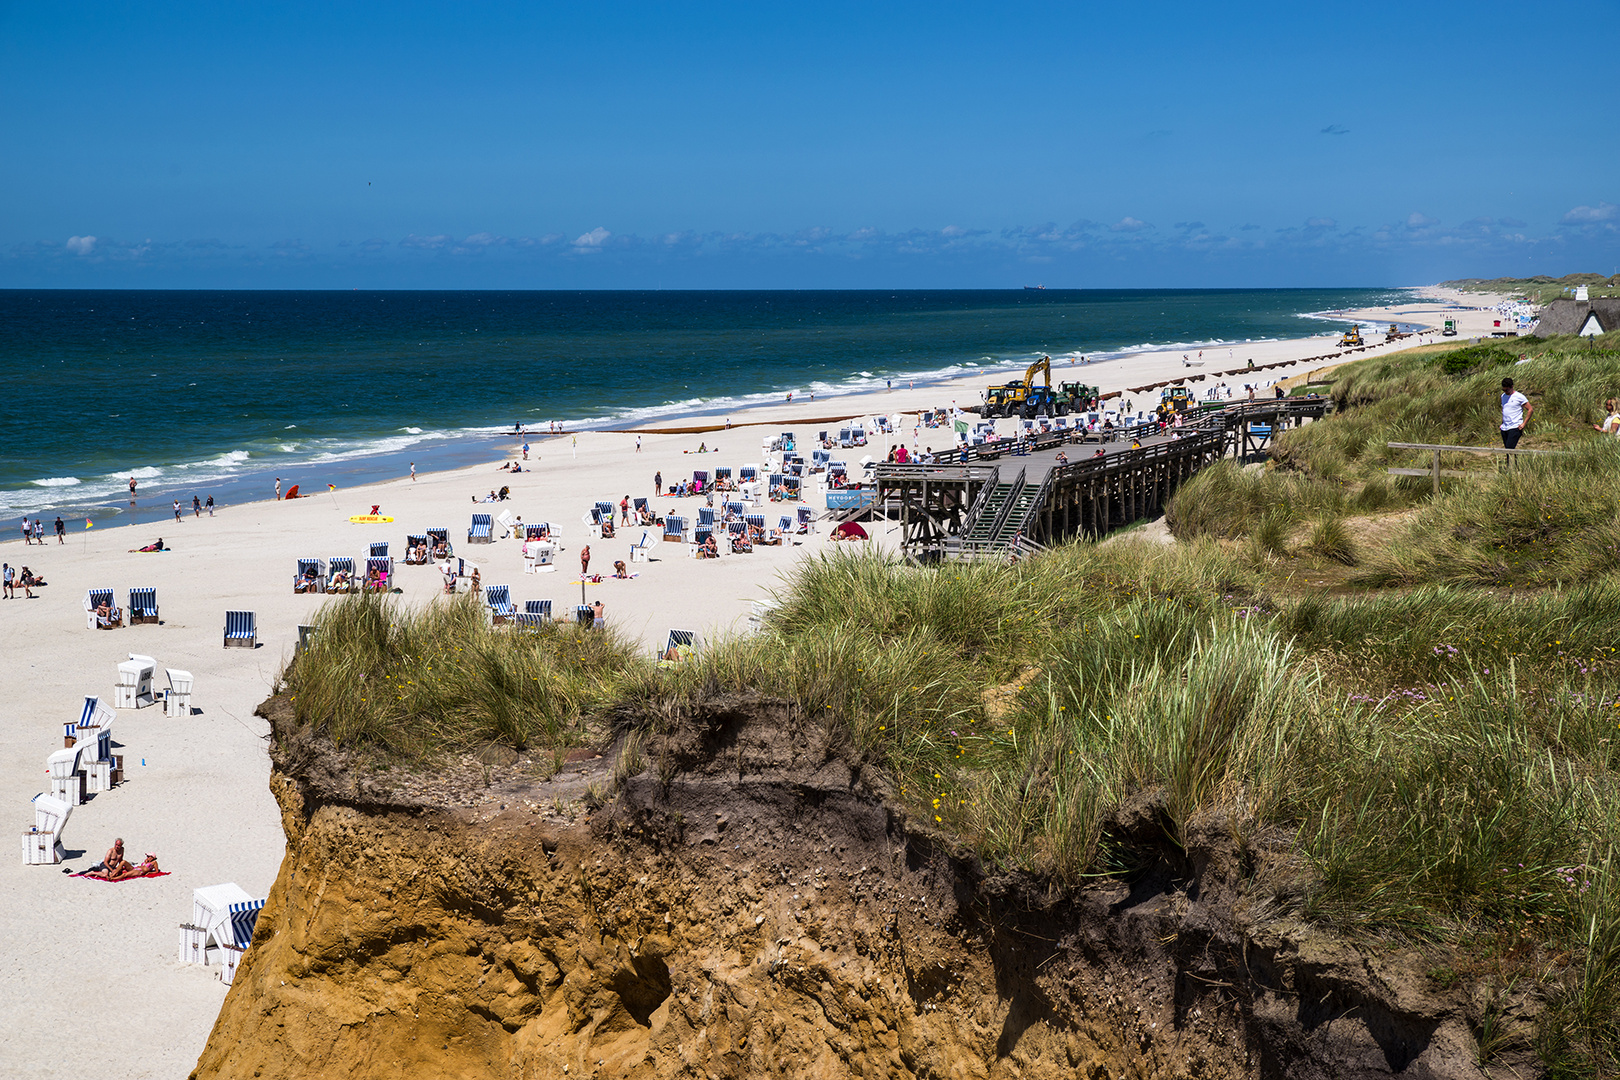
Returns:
(801,146)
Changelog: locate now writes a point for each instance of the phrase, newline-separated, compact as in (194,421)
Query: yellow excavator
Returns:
(1351,337)
(1022,397)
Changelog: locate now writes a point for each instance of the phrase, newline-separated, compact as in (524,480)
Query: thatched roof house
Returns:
(1586,317)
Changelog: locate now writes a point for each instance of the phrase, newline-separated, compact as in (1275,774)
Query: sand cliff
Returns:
(747,901)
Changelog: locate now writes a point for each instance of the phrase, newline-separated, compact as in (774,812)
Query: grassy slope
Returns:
(1445,755)
(1539,289)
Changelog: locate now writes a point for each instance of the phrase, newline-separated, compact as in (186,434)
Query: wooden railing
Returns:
(1434,470)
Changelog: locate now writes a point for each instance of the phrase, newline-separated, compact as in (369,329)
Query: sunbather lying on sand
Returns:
(114,867)
(156,545)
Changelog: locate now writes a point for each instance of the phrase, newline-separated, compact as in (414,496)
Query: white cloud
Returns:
(1581,215)
(81,245)
(1415,220)
(430,242)
(591,241)
(1129,224)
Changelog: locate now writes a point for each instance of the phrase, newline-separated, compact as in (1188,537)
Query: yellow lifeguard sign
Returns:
(370,519)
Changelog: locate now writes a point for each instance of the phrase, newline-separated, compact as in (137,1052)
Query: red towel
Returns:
(120,881)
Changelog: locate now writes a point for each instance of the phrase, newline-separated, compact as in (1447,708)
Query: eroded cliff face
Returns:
(751,904)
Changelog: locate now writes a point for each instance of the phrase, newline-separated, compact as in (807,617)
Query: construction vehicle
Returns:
(1450,329)
(1073,397)
(1351,337)
(1176,399)
(1022,397)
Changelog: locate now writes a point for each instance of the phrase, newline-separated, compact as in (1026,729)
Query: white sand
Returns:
(89,980)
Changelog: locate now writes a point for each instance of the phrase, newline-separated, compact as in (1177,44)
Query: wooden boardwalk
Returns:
(993,499)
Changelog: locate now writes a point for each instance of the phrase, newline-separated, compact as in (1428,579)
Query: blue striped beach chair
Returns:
(784,526)
(241,630)
(705,516)
(437,539)
(341,565)
(94,599)
(311,576)
(541,608)
(498,599)
(675,529)
(143,606)
(414,543)
(380,574)
(737,533)
(479,532)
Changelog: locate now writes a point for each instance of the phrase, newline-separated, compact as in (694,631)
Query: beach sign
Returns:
(370,519)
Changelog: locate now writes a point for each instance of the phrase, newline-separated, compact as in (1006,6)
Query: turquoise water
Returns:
(216,392)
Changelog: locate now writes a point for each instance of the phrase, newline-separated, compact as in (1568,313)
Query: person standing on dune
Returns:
(1516,410)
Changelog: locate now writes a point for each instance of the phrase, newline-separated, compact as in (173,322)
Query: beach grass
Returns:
(1439,734)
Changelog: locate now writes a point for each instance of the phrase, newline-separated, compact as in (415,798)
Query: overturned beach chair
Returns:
(311,576)
(413,543)
(479,531)
(507,522)
(498,601)
(92,600)
(241,630)
(133,689)
(641,549)
(177,698)
(758,613)
(143,606)
(341,564)
(42,844)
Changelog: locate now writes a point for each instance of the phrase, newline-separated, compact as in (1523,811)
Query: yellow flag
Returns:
(89,524)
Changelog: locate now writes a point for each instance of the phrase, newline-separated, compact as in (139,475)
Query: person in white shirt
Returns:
(1516,410)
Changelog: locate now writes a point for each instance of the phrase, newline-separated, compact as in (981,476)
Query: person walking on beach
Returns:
(196,506)
(1516,410)
(278,487)
(658,482)
(585,560)
(132,489)
(638,447)
(28,532)
(7,575)
(39,531)
(61,530)
(177,509)
(413,472)
(210,505)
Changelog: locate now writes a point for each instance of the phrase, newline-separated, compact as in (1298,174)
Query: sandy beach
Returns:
(78,954)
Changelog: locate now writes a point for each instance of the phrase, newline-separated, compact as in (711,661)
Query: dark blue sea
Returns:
(216,392)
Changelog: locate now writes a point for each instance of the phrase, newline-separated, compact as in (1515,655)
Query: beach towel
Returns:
(87,875)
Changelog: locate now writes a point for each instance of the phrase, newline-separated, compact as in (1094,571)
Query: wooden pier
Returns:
(1001,497)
